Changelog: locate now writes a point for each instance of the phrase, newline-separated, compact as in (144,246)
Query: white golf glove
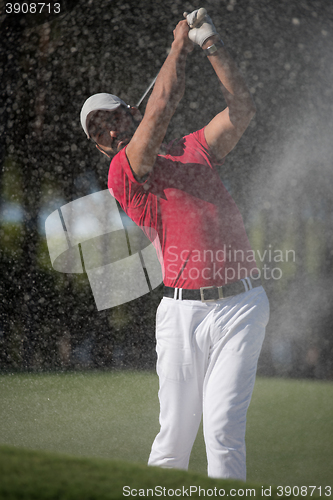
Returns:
(203,30)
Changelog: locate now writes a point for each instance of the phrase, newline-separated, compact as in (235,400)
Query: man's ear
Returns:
(136,113)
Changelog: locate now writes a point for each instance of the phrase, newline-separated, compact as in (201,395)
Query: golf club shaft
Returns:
(146,91)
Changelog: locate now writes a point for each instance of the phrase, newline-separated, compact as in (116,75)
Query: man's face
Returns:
(112,130)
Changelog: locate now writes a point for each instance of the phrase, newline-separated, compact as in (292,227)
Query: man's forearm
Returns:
(168,91)
(234,88)
(170,84)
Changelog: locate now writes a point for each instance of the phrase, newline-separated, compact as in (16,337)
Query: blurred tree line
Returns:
(280,174)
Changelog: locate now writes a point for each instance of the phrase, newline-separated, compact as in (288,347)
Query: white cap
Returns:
(98,102)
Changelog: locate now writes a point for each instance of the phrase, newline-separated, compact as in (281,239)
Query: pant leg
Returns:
(229,382)
(181,375)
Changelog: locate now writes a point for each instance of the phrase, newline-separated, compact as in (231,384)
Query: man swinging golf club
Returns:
(211,322)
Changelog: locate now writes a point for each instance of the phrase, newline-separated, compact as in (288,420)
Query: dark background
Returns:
(280,173)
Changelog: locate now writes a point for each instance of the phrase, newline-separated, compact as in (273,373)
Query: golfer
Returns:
(211,322)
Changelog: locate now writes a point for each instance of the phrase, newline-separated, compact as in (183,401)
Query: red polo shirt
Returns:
(200,228)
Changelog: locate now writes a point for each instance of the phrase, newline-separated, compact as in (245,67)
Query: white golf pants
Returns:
(207,362)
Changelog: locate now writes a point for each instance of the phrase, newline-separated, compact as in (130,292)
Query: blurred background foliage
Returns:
(280,174)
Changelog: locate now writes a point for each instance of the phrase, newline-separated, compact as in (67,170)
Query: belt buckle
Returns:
(202,294)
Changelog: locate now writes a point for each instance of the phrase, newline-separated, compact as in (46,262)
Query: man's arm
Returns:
(225,130)
(168,90)
(227,127)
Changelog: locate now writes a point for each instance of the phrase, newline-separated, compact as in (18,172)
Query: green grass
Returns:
(110,415)
(31,475)
(290,432)
(115,416)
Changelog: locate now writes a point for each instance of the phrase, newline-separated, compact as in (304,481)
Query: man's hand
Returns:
(181,36)
(203,30)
